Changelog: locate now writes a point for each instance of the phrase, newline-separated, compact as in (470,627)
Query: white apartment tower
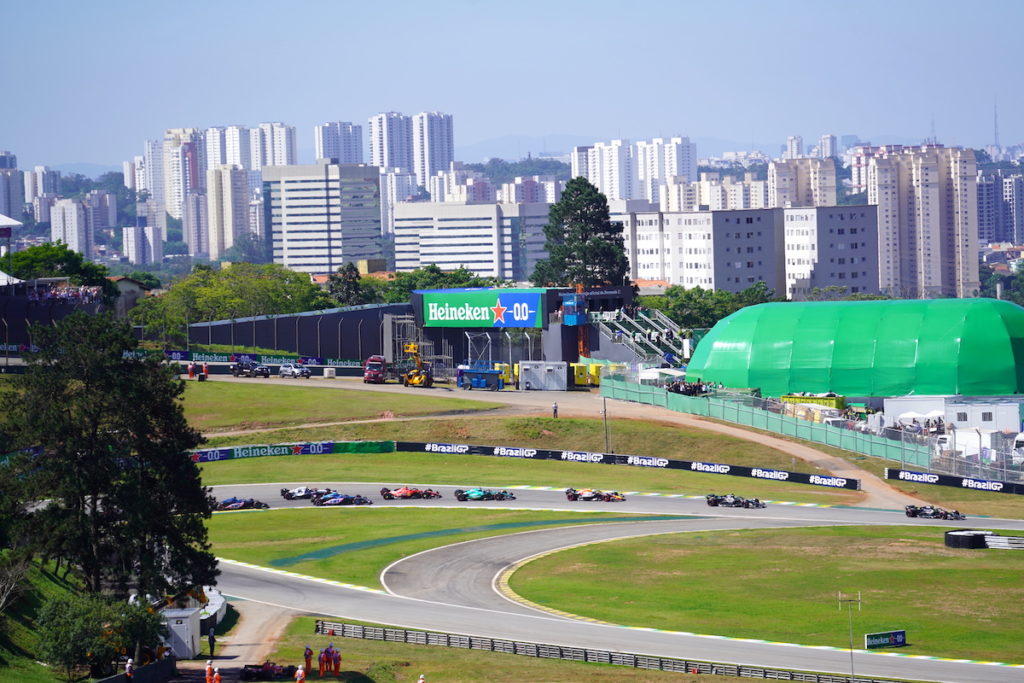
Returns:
(579,164)
(660,160)
(828,147)
(142,245)
(227,208)
(184,163)
(396,185)
(214,140)
(153,154)
(195,227)
(794,147)
(802,182)
(12,192)
(391,141)
(339,140)
(611,168)
(433,144)
(69,223)
(927,201)
(272,144)
(1013,207)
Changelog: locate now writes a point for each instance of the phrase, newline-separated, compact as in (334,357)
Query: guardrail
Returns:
(575,654)
(156,672)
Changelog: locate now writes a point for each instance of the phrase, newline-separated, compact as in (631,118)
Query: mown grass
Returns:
(641,438)
(212,406)
(782,585)
(453,665)
(273,537)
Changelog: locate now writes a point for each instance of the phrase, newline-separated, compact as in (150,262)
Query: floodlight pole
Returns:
(849,604)
(604,412)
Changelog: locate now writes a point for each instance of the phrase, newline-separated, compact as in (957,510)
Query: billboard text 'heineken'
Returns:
(483,308)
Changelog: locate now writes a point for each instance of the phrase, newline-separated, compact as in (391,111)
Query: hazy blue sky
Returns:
(89,81)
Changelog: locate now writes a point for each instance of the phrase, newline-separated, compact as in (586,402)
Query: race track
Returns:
(452,588)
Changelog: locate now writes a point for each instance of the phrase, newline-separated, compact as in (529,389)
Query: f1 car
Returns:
(335,498)
(483,494)
(240,504)
(594,494)
(407,492)
(932,512)
(303,492)
(267,671)
(731,501)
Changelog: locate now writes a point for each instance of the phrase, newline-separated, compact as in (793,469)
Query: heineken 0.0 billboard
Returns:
(483,307)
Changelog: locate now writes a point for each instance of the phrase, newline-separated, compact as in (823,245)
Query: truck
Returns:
(375,370)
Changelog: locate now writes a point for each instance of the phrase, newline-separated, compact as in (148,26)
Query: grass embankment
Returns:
(782,585)
(18,638)
(353,545)
(633,436)
(223,406)
(452,665)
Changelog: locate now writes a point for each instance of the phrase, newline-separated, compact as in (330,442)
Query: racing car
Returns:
(594,494)
(234,503)
(407,492)
(483,494)
(335,498)
(303,492)
(932,512)
(267,671)
(731,501)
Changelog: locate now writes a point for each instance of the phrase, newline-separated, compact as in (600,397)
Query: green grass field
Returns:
(324,542)
(782,585)
(222,406)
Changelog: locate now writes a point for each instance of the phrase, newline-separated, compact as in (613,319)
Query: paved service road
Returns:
(451,588)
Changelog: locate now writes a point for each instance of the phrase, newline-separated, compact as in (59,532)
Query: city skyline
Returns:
(869,79)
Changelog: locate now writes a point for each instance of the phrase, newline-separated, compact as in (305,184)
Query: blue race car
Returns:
(336,498)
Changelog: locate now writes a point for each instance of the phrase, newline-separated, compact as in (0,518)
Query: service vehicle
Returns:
(375,370)
(732,501)
(408,492)
(294,370)
(483,494)
(933,512)
(594,494)
(303,492)
(420,375)
(336,498)
(249,368)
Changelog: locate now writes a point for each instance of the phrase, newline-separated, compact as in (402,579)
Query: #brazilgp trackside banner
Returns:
(956,482)
(630,460)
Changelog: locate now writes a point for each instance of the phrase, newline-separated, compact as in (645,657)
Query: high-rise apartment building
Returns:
(990,209)
(611,168)
(794,147)
(715,193)
(659,161)
(272,144)
(238,147)
(1013,208)
(927,201)
(213,138)
(320,216)
(8,161)
(153,153)
(195,226)
(101,208)
(142,244)
(391,141)
(184,164)
(151,212)
(69,223)
(12,193)
(227,213)
(396,185)
(538,189)
(623,171)
(39,181)
(339,140)
(802,182)
(433,144)
(831,246)
(828,147)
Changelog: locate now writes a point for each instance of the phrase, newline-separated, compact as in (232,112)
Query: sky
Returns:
(89,82)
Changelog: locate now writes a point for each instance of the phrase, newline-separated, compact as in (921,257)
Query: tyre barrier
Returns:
(576,654)
(976,539)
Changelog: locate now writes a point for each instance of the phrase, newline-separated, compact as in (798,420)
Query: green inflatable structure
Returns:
(972,347)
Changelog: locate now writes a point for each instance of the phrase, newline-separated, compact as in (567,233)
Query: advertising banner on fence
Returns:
(631,461)
(956,482)
(483,308)
(885,639)
(306,448)
(207,357)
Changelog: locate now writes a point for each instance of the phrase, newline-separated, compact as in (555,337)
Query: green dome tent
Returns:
(973,347)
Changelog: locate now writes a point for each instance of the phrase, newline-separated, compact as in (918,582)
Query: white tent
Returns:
(911,415)
(6,279)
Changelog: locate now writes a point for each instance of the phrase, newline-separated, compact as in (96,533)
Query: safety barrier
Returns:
(157,672)
(575,654)
(303,448)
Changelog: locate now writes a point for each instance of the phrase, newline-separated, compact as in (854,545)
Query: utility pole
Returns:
(604,412)
(849,604)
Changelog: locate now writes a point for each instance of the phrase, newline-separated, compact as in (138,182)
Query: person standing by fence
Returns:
(308,656)
(211,638)
(554,410)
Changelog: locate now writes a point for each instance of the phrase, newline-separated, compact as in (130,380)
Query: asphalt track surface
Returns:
(454,588)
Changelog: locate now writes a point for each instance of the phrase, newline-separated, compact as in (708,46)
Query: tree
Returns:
(584,247)
(102,434)
(148,279)
(345,286)
(247,248)
(701,308)
(55,259)
(432,277)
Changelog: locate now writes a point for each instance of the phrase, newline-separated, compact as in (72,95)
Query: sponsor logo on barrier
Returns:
(260,451)
(211,357)
(515,452)
(769,474)
(582,456)
(643,461)
(919,477)
(982,484)
(446,448)
(828,481)
(885,639)
(212,455)
(711,467)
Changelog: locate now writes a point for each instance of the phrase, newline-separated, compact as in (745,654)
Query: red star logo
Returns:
(296,450)
(499,311)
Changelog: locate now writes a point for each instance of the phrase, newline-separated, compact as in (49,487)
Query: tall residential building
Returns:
(134,171)
(927,201)
(715,193)
(12,193)
(491,240)
(660,160)
(794,147)
(1013,208)
(320,216)
(101,207)
(195,228)
(391,141)
(802,182)
(831,246)
(151,212)
(184,164)
(39,181)
(69,223)
(142,244)
(227,212)
(828,147)
(41,206)
(990,209)
(538,189)
(339,140)
(153,154)
(272,144)
(579,161)
(8,160)
(433,144)
(611,168)
(459,184)
(238,147)
(396,185)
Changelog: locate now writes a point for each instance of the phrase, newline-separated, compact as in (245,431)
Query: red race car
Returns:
(408,492)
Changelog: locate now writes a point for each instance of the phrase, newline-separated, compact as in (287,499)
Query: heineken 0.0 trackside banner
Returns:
(483,308)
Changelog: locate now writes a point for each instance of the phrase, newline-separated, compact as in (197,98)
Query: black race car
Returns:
(932,512)
(234,503)
(731,501)
(594,494)
(303,492)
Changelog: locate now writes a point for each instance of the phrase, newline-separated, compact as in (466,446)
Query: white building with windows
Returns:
(320,216)
(660,161)
(831,246)
(492,240)
(69,223)
(802,182)
(227,208)
(339,140)
(396,185)
(142,245)
(271,144)
(391,141)
(433,144)
(184,166)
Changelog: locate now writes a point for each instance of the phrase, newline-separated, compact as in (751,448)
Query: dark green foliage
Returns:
(110,450)
(148,279)
(345,286)
(584,247)
(431,277)
(56,260)
(247,248)
(701,308)
(499,171)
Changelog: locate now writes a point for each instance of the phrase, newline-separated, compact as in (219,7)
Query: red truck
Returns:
(375,370)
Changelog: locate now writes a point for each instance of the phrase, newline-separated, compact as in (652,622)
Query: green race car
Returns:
(483,494)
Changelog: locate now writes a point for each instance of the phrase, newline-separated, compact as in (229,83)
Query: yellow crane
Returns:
(419,376)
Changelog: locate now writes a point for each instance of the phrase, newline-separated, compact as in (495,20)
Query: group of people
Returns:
(690,388)
(196,369)
(329,659)
(85,295)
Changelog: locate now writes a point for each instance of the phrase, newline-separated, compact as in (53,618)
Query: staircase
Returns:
(645,334)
